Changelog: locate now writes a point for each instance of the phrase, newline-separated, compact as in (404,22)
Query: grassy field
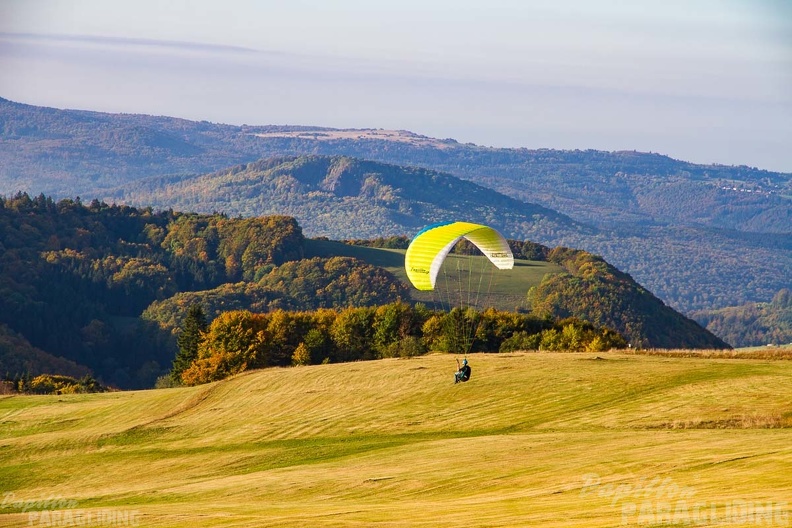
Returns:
(504,289)
(532,440)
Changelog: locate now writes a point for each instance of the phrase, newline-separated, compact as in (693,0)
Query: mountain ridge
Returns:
(23,120)
(699,236)
(326,194)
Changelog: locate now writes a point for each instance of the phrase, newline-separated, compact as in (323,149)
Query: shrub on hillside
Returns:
(56,384)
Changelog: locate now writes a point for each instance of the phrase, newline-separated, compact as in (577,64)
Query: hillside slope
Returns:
(595,291)
(344,197)
(106,286)
(753,324)
(68,152)
(72,152)
(532,439)
(698,236)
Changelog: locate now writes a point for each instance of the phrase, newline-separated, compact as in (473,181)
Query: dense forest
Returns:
(698,236)
(75,279)
(302,285)
(752,324)
(597,292)
(19,357)
(103,289)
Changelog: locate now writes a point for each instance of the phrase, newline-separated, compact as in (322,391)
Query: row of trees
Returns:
(239,340)
(50,384)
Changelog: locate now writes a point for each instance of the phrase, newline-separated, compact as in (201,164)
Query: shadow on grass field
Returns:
(534,439)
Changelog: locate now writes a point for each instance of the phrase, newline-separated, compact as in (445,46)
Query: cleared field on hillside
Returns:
(503,289)
(532,439)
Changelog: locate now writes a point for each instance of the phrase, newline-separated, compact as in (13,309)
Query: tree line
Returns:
(240,340)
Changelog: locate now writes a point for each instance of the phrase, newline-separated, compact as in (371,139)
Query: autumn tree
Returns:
(233,343)
(190,337)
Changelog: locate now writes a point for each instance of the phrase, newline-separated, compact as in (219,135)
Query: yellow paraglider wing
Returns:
(431,245)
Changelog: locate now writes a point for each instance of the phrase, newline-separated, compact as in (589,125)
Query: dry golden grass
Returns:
(767,352)
(745,421)
(538,439)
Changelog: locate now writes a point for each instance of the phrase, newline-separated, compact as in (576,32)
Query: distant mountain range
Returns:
(698,236)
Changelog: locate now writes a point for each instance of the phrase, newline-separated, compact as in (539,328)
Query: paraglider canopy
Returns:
(431,246)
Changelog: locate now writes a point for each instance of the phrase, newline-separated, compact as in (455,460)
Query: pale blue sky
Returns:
(701,80)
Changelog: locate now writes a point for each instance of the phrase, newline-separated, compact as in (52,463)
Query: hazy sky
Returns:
(701,80)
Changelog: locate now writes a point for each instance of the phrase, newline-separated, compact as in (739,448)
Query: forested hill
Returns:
(595,291)
(74,278)
(752,324)
(342,197)
(67,153)
(74,152)
(698,236)
(104,286)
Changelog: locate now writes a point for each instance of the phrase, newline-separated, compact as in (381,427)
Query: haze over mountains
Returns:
(698,236)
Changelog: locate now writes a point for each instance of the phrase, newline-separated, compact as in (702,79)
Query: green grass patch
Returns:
(503,289)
